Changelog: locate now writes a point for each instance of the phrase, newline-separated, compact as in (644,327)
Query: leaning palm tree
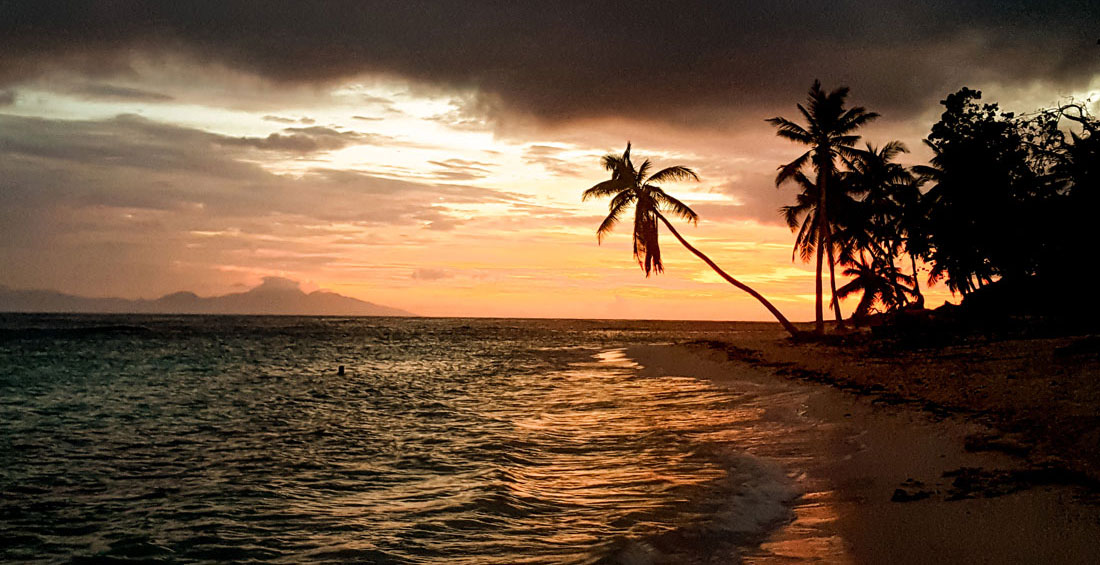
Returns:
(630,185)
(828,133)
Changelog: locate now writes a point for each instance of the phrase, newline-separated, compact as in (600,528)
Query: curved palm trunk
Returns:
(787,325)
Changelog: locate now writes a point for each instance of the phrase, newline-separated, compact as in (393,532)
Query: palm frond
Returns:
(674,173)
(809,188)
(852,286)
(618,206)
(643,170)
(928,172)
(845,141)
(805,243)
(791,215)
(810,118)
(673,205)
(790,170)
(855,118)
(893,149)
(611,162)
(605,188)
(790,130)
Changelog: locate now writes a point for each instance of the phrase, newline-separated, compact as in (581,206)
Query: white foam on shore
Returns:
(763,498)
(850,455)
(759,494)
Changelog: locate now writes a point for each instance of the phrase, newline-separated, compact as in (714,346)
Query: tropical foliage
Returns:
(634,186)
(829,136)
(1004,199)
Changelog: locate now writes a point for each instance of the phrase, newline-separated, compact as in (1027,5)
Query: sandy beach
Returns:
(897,463)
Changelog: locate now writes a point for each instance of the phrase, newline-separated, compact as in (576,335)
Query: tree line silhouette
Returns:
(1002,214)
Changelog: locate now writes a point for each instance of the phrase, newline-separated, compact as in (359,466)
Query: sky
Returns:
(430,156)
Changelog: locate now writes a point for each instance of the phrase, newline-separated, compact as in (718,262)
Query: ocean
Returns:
(234,438)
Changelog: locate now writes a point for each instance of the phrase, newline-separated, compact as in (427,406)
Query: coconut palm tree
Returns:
(630,185)
(880,283)
(829,134)
(886,188)
(802,218)
(848,233)
(878,179)
(912,221)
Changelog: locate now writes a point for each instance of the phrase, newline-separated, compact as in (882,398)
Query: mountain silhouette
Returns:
(276,295)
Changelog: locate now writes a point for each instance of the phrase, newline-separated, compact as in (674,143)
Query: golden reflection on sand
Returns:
(812,536)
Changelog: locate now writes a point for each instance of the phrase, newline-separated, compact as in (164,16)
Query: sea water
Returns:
(234,438)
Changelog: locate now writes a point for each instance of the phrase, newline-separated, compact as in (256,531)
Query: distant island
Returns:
(275,295)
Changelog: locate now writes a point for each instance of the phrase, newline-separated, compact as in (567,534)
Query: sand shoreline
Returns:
(885,482)
(1038,396)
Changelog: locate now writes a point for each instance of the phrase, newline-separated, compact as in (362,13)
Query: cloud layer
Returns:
(564,60)
(95,198)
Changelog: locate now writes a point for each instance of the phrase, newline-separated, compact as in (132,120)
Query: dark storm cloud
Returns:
(560,60)
(113,92)
(125,142)
(306,140)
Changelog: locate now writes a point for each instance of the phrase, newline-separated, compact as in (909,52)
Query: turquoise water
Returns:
(192,438)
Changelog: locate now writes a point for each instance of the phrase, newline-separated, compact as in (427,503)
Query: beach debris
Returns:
(1012,444)
(1088,346)
(902,495)
(911,490)
(975,482)
(340,371)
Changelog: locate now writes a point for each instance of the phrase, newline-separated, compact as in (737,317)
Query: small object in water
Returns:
(340,371)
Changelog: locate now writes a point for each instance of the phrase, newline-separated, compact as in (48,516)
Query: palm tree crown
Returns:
(880,283)
(630,185)
(829,134)
(828,131)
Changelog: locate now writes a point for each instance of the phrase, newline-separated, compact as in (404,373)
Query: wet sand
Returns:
(887,481)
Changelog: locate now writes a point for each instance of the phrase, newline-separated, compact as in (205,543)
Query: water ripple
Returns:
(183,439)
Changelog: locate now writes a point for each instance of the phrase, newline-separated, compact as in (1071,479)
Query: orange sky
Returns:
(175,173)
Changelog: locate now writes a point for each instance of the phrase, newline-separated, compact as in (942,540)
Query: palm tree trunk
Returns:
(787,325)
(832,276)
(819,317)
(822,241)
(916,282)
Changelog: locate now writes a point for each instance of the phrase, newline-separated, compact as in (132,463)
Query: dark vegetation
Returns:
(1002,215)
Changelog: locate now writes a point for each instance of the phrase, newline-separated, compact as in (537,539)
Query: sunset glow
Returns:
(178,173)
